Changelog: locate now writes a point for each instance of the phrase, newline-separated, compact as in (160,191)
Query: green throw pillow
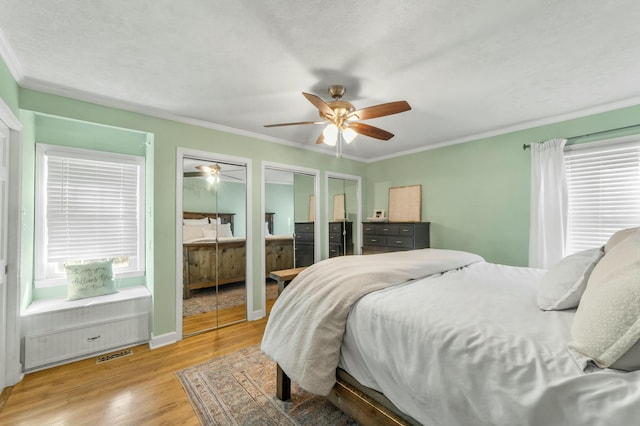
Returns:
(90,279)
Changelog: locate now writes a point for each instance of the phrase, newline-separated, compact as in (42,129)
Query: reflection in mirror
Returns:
(289,223)
(214,244)
(304,212)
(279,219)
(343,208)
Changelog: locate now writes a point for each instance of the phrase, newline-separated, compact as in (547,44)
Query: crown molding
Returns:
(58,90)
(9,57)
(629,102)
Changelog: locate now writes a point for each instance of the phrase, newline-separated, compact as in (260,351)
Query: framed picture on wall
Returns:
(405,203)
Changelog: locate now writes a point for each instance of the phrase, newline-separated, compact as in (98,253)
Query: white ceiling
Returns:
(468,68)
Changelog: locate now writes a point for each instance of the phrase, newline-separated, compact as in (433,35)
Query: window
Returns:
(89,206)
(603,180)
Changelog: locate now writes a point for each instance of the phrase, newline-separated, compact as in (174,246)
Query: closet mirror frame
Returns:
(315,173)
(328,214)
(181,154)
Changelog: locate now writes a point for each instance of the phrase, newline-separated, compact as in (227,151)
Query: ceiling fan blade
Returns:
(367,130)
(381,110)
(320,139)
(195,174)
(294,124)
(322,106)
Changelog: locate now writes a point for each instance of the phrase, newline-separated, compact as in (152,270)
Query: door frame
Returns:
(316,225)
(10,303)
(211,156)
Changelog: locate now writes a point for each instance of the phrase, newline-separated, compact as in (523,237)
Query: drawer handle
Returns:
(385,229)
(368,229)
(374,240)
(398,242)
(405,230)
(90,339)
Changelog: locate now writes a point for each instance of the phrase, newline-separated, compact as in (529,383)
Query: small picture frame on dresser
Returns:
(378,214)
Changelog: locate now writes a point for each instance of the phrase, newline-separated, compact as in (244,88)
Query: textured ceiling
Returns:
(468,68)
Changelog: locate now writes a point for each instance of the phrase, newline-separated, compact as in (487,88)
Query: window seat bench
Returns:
(58,331)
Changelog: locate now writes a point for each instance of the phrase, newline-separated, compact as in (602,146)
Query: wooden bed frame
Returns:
(199,259)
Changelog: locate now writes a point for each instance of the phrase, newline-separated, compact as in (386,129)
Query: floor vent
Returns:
(112,356)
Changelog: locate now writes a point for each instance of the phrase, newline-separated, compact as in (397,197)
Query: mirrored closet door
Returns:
(214,218)
(290,208)
(343,212)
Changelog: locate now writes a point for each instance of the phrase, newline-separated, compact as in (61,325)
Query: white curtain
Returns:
(548,227)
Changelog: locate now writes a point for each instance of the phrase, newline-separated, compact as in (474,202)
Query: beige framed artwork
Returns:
(405,203)
(338,208)
(312,208)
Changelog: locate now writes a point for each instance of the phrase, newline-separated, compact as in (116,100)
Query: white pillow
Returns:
(203,221)
(606,326)
(209,233)
(266,229)
(190,232)
(224,230)
(563,284)
(619,236)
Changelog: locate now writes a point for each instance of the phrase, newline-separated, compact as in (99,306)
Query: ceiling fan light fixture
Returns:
(330,134)
(349,135)
(213,169)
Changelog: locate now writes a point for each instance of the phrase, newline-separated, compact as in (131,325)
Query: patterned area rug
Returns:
(239,389)
(203,300)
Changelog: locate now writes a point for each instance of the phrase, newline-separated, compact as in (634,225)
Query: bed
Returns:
(208,238)
(442,337)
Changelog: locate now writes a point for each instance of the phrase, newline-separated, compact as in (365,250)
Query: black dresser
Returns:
(340,236)
(381,237)
(303,255)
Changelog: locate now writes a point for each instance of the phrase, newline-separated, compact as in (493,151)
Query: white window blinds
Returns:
(603,191)
(92,207)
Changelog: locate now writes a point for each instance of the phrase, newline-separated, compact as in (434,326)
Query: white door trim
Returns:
(10,348)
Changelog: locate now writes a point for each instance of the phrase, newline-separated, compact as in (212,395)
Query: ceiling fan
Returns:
(343,118)
(212,171)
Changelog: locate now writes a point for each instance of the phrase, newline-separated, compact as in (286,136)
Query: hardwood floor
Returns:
(140,389)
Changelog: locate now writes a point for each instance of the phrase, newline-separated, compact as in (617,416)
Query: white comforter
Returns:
(470,347)
(307,321)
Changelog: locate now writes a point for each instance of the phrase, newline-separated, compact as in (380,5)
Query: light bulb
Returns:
(349,135)
(330,134)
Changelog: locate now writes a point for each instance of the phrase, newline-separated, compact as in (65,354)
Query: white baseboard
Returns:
(256,315)
(163,340)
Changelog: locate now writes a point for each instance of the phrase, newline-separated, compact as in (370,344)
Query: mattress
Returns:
(471,347)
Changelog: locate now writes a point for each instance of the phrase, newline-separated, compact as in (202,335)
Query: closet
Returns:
(214,244)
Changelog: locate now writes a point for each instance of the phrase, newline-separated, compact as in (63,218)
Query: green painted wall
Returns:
(200,196)
(303,189)
(476,194)
(168,136)
(279,200)
(9,90)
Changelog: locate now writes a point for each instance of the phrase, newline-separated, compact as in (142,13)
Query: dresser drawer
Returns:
(405,230)
(304,236)
(53,346)
(335,238)
(335,227)
(303,227)
(374,240)
(400,242)
(388,229)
